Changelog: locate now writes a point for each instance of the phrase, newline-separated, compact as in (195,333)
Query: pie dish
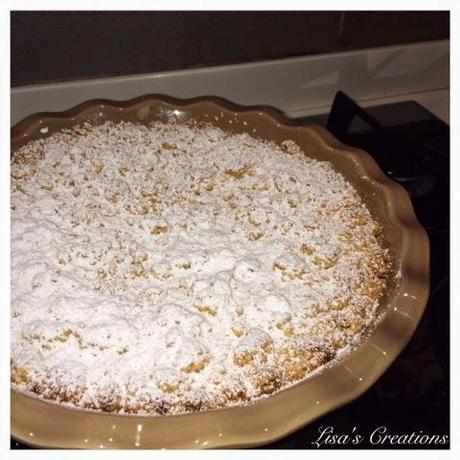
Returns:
(401,297)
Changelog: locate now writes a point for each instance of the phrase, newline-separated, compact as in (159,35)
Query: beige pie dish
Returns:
(46,424)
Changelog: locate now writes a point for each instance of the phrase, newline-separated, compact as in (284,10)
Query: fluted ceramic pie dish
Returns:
(38,422)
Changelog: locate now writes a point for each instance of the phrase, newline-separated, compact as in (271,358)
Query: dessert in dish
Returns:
(174,268)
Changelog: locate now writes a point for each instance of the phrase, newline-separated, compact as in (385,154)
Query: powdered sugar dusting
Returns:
(170,268)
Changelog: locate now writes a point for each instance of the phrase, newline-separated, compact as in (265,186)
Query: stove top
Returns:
(411,146)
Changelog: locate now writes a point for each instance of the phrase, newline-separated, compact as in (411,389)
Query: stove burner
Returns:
(411,146)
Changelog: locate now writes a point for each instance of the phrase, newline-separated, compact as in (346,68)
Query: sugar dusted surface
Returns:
(174,268)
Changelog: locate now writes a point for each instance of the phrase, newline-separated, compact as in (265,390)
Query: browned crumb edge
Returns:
(298,364)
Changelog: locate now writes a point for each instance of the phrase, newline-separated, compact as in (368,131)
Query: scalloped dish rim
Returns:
(41,423)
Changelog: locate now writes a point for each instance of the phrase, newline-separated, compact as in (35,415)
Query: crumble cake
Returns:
(172,268)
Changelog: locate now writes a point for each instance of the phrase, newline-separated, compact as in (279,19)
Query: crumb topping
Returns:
(173,268)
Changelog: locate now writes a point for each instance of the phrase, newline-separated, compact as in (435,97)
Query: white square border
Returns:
(9,5)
